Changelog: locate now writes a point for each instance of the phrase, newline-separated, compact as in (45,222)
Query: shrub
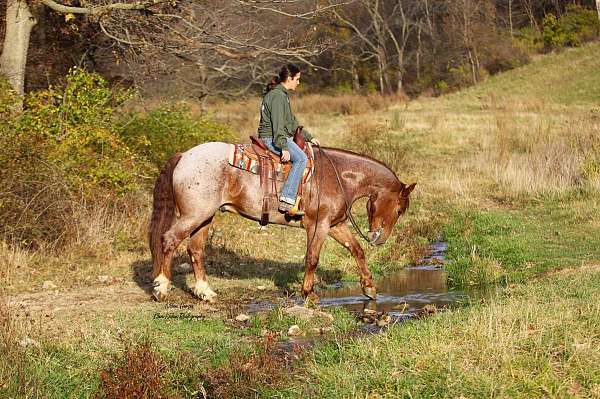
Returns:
(60,154)
(577,26)
(135,374)
(377,141)
(160,133)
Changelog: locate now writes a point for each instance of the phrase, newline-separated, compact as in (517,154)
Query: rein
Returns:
(348,208)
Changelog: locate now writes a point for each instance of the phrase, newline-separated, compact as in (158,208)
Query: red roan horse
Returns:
(199,182)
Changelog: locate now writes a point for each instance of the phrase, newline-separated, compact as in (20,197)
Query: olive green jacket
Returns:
(276,118)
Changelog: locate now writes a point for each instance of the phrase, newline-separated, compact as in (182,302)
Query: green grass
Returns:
(537,338)
(521,243)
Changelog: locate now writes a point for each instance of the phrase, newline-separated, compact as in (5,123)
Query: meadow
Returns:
(508,174)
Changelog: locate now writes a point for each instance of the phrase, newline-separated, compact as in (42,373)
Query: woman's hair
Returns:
(287,71)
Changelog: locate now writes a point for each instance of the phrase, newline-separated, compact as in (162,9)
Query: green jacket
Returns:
(276,118)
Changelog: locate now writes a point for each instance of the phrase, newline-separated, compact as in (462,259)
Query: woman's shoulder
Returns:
(274,95)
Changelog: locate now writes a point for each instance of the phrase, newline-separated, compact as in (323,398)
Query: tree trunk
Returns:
(355,77)
(19,22)
(400,84)
(598,7)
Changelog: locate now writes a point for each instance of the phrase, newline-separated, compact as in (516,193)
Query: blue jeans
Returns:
(299,160)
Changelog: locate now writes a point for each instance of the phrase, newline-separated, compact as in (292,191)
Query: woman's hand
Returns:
(315,142)
(285,156)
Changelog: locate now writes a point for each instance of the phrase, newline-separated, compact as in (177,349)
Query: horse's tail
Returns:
(163,211)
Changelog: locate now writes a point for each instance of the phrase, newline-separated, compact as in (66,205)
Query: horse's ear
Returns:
(406,191)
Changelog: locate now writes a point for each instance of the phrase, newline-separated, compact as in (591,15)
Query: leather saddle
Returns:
(259,159)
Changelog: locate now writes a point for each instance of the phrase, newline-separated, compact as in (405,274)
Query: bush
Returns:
(160,133)
(577,26)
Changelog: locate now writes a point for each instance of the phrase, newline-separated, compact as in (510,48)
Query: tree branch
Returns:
(94,10)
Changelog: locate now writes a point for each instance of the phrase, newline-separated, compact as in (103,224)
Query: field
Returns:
(508,174)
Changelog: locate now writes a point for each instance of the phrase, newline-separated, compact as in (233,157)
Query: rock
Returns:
(103,279)
(25,342)
(184,267)
(322,330)
(242,317)
(294,330)
(306,314)
(384,321)
(49,285)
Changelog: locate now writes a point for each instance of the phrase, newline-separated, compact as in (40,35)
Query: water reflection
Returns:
(404,292)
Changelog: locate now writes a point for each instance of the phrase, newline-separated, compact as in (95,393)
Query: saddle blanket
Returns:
(241,156)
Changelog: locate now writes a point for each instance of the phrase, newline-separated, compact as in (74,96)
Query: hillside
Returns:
(570,77)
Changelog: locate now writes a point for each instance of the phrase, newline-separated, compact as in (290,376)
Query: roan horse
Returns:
(199,182)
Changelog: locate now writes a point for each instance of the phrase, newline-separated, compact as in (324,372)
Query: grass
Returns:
(508,174)
(535,340)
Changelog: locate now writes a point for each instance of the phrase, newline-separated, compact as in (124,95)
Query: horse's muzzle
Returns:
(374,236)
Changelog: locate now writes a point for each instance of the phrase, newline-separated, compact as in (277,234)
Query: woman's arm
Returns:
(305,133)
(278,122)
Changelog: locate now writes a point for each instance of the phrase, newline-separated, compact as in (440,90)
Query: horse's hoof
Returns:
(370,292)
(158,295)
(311,300)
(204,292)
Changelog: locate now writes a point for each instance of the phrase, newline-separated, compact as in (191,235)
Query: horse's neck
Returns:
(361,176)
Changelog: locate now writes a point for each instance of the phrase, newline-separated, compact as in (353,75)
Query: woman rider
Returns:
(276,129)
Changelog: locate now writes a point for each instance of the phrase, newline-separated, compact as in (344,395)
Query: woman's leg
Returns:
(268,141)
(299,160)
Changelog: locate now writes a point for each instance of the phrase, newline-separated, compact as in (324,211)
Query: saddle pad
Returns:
(242,157)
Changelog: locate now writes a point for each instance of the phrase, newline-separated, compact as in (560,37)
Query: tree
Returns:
(212,45)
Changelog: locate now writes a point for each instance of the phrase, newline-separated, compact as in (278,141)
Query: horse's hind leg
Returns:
(180,230)
(195,250)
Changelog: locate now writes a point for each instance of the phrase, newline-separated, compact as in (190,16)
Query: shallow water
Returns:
(415,290)
(401,294)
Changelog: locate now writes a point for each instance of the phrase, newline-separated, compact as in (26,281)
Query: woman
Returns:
(276,129)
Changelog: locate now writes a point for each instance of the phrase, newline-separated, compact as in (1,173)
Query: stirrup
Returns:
(295,210)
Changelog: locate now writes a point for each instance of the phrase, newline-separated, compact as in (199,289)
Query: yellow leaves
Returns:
(69,17)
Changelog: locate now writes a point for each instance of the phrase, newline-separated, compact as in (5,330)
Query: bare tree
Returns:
(212,45)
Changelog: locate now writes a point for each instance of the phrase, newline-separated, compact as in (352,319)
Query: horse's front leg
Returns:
(316,235)
(342,234)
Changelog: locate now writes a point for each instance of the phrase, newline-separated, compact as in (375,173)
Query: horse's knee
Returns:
(311,261)
(169,241)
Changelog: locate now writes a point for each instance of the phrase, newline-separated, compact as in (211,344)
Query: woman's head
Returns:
(289,76)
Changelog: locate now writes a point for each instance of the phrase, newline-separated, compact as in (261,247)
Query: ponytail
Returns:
(287,71)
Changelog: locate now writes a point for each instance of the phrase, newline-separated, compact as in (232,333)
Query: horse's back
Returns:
(203,158)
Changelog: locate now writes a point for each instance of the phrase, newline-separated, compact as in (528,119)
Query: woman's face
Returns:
(292,82)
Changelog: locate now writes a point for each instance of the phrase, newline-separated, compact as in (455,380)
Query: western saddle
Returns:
(267,162)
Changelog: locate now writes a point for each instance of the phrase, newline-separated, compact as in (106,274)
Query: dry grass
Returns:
(540,156)
(242,375)
(15,378)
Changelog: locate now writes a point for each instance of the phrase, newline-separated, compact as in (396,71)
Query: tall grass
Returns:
(541,156)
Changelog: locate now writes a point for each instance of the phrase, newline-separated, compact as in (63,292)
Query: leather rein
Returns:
(348,208)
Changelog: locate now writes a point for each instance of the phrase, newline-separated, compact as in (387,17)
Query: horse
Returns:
(199,182)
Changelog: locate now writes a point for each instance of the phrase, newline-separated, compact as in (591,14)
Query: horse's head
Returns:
(384,209)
